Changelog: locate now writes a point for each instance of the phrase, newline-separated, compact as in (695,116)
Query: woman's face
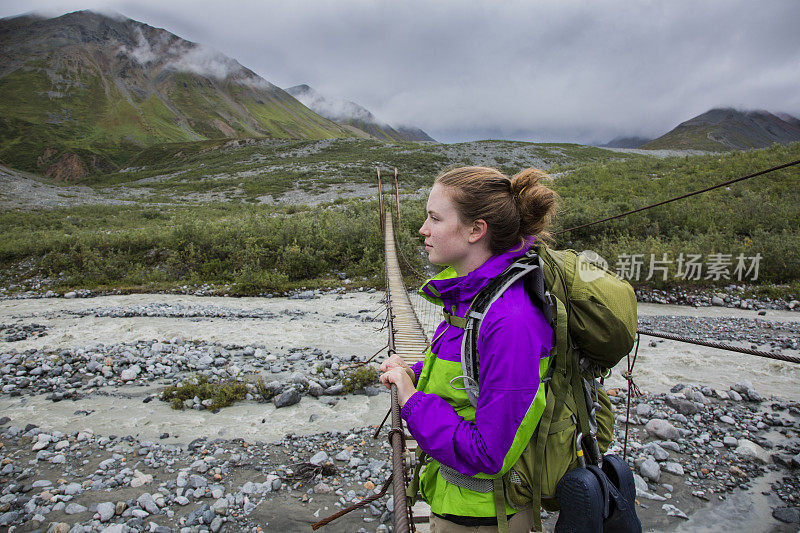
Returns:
(446,237)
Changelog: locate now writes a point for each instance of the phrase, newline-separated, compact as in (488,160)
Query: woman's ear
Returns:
(478,231)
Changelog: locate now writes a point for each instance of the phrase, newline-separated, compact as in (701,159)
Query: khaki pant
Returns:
(521,522)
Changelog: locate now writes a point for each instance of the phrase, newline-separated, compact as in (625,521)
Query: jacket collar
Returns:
(447,289)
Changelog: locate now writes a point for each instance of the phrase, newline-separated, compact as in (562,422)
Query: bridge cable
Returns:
(681,197)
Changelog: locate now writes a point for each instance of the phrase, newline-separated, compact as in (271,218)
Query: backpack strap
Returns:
(500,505)
(453,320)
(412,491)
(554,396)
(470,358)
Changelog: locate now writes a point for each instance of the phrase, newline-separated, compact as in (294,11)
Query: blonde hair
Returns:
(513,208)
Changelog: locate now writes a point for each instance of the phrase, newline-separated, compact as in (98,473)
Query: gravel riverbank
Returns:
(87,445)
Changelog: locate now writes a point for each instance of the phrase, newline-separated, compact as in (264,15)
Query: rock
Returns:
(683,406)
(8,518)
(140,479)
(115,528)
(322,488)
(650,469)
(789,515)
(750,449)
(735,396)
(59,527)
(717,301)
(120,507)
(285,399)
(662,429)
(736,471)
(695,396)
(106,510)
(343,455)
(783,459)
(334,390)
(299,378)
(658,453)
(730,442)
(641,484)
(315,389)
(727,420)
(72,489)
(197,482)
(670,445)
(650,496)
(220,506)
(70,295)
(746,389)
(130,373)
(674,511)
(643,410)
(673,468)
(74,508)
(146,502)
(319,458)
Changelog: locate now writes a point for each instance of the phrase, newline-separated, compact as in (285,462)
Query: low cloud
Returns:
(142,52)
(465,69)
(184,56)
(205,62)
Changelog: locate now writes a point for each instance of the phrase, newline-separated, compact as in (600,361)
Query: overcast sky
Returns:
(539,71)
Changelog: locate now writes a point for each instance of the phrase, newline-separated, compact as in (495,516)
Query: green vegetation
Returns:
(244,249)
(223,393)
(264,392)
(361,377)
(756,216)
(248,168)
(80,109)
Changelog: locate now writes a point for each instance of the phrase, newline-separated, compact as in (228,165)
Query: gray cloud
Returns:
(466,69)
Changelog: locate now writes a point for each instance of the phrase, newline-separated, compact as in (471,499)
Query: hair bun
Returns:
(537,202)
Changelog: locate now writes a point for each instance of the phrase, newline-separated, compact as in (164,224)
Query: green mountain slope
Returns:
(82,92)
(729,129)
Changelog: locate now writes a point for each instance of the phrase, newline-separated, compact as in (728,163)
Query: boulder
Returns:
(662,429)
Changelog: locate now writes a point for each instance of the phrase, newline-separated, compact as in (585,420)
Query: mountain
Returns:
(625,142)
(350,114)
(725,129)
(82,92)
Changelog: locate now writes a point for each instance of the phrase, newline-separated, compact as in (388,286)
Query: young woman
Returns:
(479,222)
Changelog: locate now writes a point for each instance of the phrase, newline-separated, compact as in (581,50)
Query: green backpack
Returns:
(593,315)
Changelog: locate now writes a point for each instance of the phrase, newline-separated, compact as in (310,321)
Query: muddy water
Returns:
(119,410)
(297,322)
(670,362)
(310,323)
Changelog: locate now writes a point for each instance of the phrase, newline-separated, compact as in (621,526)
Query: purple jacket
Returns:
(513,340)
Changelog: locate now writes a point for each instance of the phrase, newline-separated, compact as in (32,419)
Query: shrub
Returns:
(359,378)
(223,392)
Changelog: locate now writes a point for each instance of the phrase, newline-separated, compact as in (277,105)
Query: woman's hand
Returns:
(396,361)
(399,376)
